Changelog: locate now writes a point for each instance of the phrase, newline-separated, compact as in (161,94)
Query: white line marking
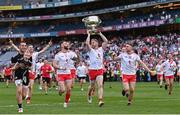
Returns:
(29,105)
(52,104)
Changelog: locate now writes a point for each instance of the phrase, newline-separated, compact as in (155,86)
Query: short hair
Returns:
(30,45)
(94,39)
(22,43)
(64,41)
(129,43)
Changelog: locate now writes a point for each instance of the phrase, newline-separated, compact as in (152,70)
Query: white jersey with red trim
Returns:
(81,71)
(34,59)
(169,68)
(72,63)
(96,58)
(159,69)
(129,63)
(63,60)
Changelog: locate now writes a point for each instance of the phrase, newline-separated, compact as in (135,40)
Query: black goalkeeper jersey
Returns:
(22,72)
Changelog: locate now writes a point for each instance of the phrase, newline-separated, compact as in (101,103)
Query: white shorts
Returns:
(18,82)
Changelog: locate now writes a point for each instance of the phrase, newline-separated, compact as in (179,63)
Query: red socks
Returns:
(68,94)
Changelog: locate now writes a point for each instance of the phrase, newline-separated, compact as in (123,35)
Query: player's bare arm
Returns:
(88,40)
(145,66)
(105,40)
(77,59)
(45,48)
(14,46)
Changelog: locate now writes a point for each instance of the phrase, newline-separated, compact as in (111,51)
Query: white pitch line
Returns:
(50,104)
(45,104)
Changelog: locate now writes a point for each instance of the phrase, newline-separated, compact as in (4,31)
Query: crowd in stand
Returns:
(150,49)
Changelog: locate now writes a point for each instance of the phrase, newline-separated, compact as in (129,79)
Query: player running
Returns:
(46,70)
(82,74)
(32,71)
(64,78)
(129,61)
(22,65)
(159,71)
(169,67)
(34,55)
(96,66)
(7,74)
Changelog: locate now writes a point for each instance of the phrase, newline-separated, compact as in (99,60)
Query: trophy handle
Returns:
(100,21)
(84,19)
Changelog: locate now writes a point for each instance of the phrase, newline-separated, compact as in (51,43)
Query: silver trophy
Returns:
(91,23)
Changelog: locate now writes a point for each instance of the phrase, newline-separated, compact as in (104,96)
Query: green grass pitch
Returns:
(149,99)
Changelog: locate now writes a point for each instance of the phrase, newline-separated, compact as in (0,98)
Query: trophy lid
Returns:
(92,19)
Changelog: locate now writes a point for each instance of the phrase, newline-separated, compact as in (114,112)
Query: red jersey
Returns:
(8,71)
(45,70)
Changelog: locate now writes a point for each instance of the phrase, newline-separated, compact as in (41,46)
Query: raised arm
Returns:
(88,40)
(14,46)
(105,41)
(45,48)
(77,59)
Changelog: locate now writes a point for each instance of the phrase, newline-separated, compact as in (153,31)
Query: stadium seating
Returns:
(27,2)
(71,26)
(5,58)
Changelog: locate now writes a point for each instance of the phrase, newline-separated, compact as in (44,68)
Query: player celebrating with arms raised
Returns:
(96,66)
(32,73)
(129,61)
(21,76)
